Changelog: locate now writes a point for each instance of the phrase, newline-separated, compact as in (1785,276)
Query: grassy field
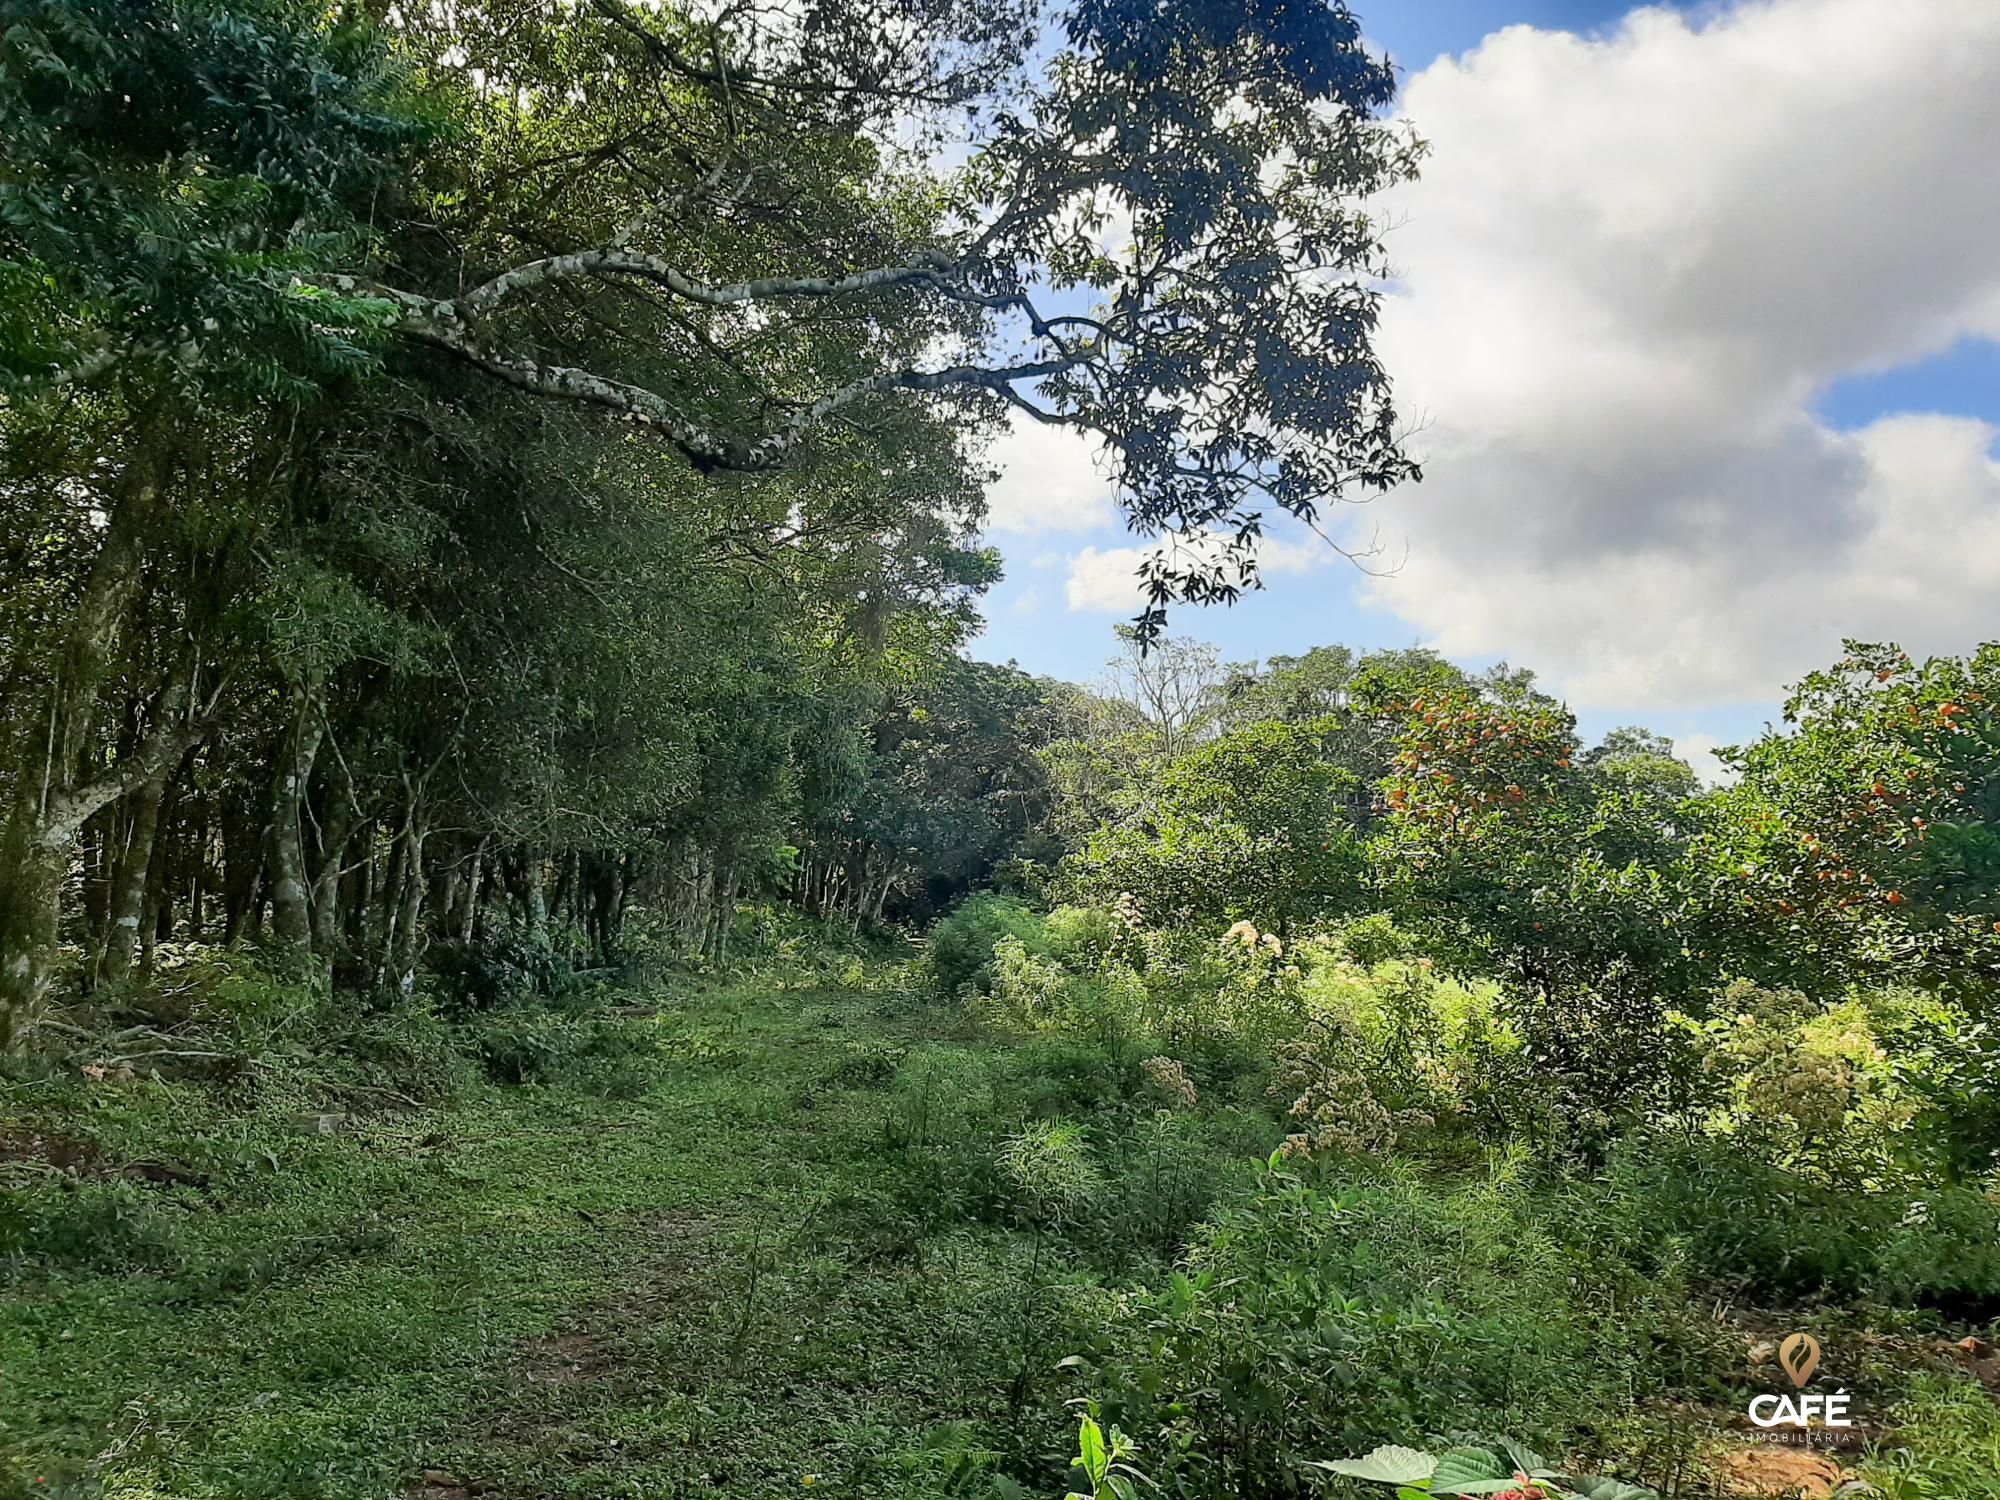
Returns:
(710,1286)
(751,1240)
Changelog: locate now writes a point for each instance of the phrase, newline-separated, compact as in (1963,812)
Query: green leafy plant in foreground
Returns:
(1520,1475)
(1100,1458)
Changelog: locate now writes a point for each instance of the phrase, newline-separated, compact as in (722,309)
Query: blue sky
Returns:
(1708,376)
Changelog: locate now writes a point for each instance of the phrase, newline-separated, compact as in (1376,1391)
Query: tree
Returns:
(1253,824)
(1291,689)
(1865,841)
(703,198)
(1509,858)
(169,171)
(950,787)
(339,613)
(1173,688)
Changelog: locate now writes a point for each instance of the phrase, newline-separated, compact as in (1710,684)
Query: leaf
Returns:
(1090,1452)
(1389,1464)
(1524,1459)
(1458,1468)
(1609,1489)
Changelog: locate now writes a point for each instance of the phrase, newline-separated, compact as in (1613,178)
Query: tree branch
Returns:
(929,266)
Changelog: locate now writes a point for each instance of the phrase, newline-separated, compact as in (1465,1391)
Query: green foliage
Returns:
(938,1097)
(1945,1442)
(963,945)
(806,1190)
(115,1225)
(1867,840)
(1101,1458)
(950,786)
(510,966)
(1252,825)
(1049,1167)
(174,170)
(1514,1473)
(316,564)
(1732,1219)
(1808,1087)
(1339,1314)
(400,1273)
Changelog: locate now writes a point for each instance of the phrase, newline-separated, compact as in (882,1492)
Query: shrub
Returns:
(1372,940)
(611,1058)
(1080,938)
(937,1099)
(523,1046)
(227,992)
(507,967)
(409,1051)
(1805,1086)
(1946,1442)
(1327,1314)
(1051,1170)
(1105,1002)
(1735,1220)
(963,944)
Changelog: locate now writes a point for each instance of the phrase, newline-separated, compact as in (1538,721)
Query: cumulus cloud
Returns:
(1105,580)
(1050,481)
(1631,264)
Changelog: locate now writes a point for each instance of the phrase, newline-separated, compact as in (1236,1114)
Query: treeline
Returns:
(490,467)
(1603,888)
(1549,1044)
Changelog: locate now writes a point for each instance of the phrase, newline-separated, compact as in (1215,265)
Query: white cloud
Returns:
(1049,481)
(1630,265)
(1105,581)
(1698,750)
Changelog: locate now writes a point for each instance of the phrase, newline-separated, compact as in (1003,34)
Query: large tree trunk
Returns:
(40,834)
(30,892)
(291,904)
(241,833)
(129,882)
(45,818)
(535,894)
(337,834)
(406,941)
(465,916)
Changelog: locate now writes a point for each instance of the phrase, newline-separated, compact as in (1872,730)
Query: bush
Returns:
(614,1059)
(1737,1221)
(409,1051)
(1326,1314)
(962,945)
(1946,1443)
(506,968)
(940,1096)
(1080,938)
(1372,940)
(226,992)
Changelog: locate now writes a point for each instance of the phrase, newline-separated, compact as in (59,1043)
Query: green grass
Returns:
(703,1288)
(750,1236)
